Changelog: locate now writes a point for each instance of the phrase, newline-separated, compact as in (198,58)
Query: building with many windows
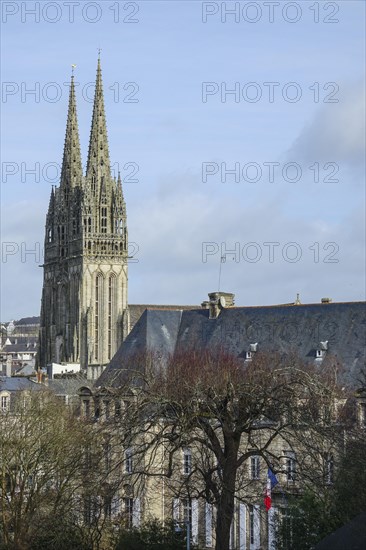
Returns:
(316,333)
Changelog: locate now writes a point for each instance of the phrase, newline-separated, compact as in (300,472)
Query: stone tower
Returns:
(84,315)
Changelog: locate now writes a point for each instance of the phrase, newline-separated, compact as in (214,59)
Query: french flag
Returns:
(271,482)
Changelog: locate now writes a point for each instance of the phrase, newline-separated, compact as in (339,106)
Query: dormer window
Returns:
(321,350)
(249,354)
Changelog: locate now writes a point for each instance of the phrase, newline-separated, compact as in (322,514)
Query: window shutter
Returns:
(208,524)
(242,527)
(176,509)
(194,521)
(257,528)
(272,528)
(136,514)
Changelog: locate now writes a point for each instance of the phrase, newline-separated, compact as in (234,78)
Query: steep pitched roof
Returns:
(136,310)
(284,328)
(28,321)
(17,384)
(155,332)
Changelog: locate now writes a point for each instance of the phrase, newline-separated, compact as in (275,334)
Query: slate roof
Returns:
(67,386)
(284,328)
(19,348)
(136,310)
(26,370)
(14,383)
(28,321)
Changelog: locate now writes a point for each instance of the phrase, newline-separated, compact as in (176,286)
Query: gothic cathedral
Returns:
(84,314)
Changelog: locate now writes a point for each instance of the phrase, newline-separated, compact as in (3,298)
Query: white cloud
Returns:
(337,133)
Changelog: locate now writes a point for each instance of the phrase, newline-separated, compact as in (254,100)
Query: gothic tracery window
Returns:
(98,317)
(111,302)
(104,220)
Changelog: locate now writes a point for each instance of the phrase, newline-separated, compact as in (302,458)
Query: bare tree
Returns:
(43,469)
(227,410)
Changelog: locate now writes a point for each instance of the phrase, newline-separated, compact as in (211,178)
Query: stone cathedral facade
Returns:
(84,313)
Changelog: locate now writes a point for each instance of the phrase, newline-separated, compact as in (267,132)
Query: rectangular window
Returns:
(254,527)
(187,461)
(91,509)
(254,467)
(86,408)
(290,465)
(5,403)
(187,511)
(329,469)
(128,461)
(251,523)
(117,409)
(128,512)
(107,455)
(107,507)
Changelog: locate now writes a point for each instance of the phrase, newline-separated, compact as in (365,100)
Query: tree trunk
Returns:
(225,507)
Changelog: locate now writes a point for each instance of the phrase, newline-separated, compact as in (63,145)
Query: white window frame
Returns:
(129,461)
(208,524)
(242,526)
(136,512)
(128,509)
(254,527)
(5,403)
(187,461)
(255,467)
(290,466)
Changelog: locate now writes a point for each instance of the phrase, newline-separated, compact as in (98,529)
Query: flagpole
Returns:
(222,260)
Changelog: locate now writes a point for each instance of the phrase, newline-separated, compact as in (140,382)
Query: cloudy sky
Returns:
(239,137)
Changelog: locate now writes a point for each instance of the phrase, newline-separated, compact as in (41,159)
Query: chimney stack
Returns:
(217,302)
(8,366)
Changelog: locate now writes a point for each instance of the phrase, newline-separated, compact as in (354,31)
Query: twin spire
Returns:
(98,164)
(72,172)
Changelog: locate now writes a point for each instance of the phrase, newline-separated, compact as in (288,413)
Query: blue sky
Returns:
(169,132)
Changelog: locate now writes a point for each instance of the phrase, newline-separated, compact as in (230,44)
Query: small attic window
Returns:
(252,350)
(321,349)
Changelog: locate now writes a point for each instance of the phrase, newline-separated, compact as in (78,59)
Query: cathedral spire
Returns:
(119,186)
(98,164)
(71,172)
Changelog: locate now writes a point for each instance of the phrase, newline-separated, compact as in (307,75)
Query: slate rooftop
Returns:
(303,328)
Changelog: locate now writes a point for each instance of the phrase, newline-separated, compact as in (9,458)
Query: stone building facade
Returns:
(84,314)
